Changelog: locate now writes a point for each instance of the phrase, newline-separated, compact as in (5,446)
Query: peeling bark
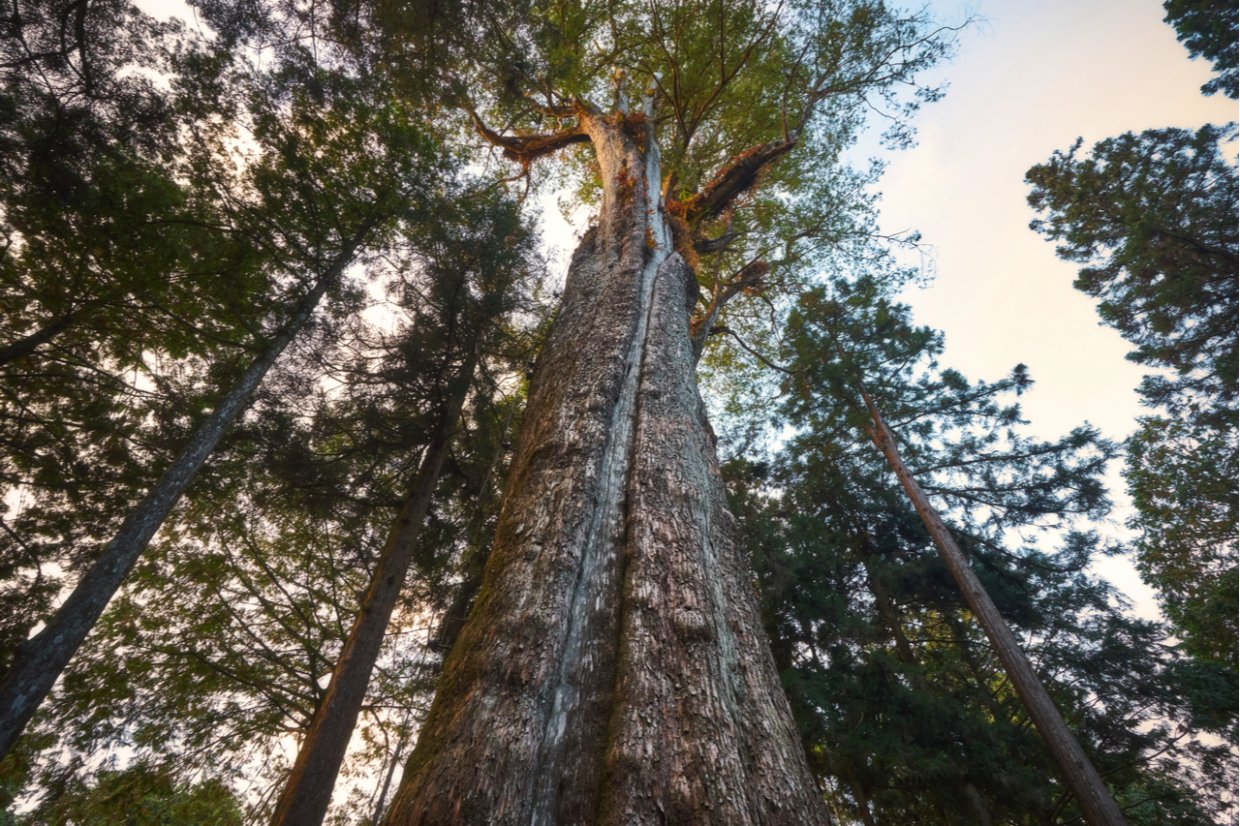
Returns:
(613,669)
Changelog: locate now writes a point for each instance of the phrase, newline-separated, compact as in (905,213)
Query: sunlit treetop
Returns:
(749,103)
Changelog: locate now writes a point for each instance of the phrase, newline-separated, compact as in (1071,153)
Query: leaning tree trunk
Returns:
(1099,808)
(308,790)
(613,669)
(41,659)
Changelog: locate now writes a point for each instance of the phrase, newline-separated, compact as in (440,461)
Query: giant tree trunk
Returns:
(613,669)
(41,659)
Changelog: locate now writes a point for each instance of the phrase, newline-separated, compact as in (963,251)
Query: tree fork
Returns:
(1099,808)
(41,659)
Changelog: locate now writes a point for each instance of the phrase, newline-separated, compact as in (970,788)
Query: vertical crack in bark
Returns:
(605,534)
(622,546)
(613,671)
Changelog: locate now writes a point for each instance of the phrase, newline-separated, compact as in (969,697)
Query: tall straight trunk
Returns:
(308,790)
(41,659)
(1091,794)
(613,669)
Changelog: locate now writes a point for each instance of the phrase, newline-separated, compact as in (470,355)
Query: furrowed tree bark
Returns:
(613,669)
(41,659)
(308,790)
(1099,808)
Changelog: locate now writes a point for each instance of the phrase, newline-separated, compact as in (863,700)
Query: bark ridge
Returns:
(613,669)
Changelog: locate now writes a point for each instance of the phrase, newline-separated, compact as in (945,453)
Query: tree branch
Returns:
(524,149)
(735,179)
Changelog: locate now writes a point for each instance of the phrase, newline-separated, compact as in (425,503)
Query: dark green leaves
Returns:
(1152,220)
(1209,29)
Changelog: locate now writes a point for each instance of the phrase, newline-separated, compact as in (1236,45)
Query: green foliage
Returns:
(903,708)
(164,198)
(1183,480)
(141,795)
(258,580)
(110,269)
(162,265)
(724,79)
(175,254)
(1209,29)
(1152,220)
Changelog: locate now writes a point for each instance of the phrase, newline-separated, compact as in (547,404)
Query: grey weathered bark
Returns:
(308,790)
(41,659)
(1076,770)
(613,669)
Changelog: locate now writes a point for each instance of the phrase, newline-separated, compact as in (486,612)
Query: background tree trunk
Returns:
(613,668)
(308,790)
(1078,773)
(41,659)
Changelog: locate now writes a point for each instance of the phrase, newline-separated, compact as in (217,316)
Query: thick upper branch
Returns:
(524,149)
(735,179)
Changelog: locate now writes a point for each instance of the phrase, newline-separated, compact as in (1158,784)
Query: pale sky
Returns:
(1029,80)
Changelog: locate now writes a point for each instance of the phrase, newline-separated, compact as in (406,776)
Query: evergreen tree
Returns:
(1152,220)
(1210,29)
(336,162)
(904,709)
(221,646)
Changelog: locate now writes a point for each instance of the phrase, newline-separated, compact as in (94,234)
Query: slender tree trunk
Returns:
(1096,803)
(462,599)
(473,563)
(978,804)
(308,790)
(613,669)
(389,770)
(887,610)
(41,659)
(863,800)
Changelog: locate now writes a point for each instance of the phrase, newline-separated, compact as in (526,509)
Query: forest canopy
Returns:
(329,497)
